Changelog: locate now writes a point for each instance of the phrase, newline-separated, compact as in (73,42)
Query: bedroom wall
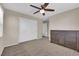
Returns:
(1,29)
(11,27)
(68,20)
(27,29)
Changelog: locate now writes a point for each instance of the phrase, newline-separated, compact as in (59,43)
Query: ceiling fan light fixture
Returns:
(42,11)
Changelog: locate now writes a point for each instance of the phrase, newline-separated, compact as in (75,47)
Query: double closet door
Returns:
(68,39)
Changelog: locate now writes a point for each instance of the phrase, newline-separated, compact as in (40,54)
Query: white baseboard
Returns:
(7,45)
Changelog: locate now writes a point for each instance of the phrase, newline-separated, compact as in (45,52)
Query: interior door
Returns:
(45,29)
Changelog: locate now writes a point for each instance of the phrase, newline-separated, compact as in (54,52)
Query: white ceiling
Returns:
(26,9)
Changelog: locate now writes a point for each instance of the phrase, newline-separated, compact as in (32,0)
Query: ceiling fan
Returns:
(42,9)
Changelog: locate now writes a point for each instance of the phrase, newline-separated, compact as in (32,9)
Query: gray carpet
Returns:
(38,47)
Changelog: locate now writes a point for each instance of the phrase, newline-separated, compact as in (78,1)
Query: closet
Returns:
(67,38)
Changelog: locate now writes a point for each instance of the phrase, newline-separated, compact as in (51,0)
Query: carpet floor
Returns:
(38,47)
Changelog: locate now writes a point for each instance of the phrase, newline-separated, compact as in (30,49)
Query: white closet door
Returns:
(45,29)
(27,29)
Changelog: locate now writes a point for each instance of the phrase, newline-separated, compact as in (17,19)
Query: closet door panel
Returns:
(60,38)
(78,41)
(70,40)
(53,37)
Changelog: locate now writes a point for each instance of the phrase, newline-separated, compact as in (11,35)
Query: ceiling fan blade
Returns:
(49,9)
(45,5)
(36,12)
(35,6)
(43,14)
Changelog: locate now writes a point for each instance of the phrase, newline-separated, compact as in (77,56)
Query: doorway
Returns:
(45,28)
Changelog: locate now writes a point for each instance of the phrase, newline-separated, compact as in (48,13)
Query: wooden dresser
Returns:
(67,38)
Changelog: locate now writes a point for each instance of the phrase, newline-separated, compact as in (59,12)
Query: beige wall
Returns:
(1,32)
(68,20)
(65,21)
(11,27)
